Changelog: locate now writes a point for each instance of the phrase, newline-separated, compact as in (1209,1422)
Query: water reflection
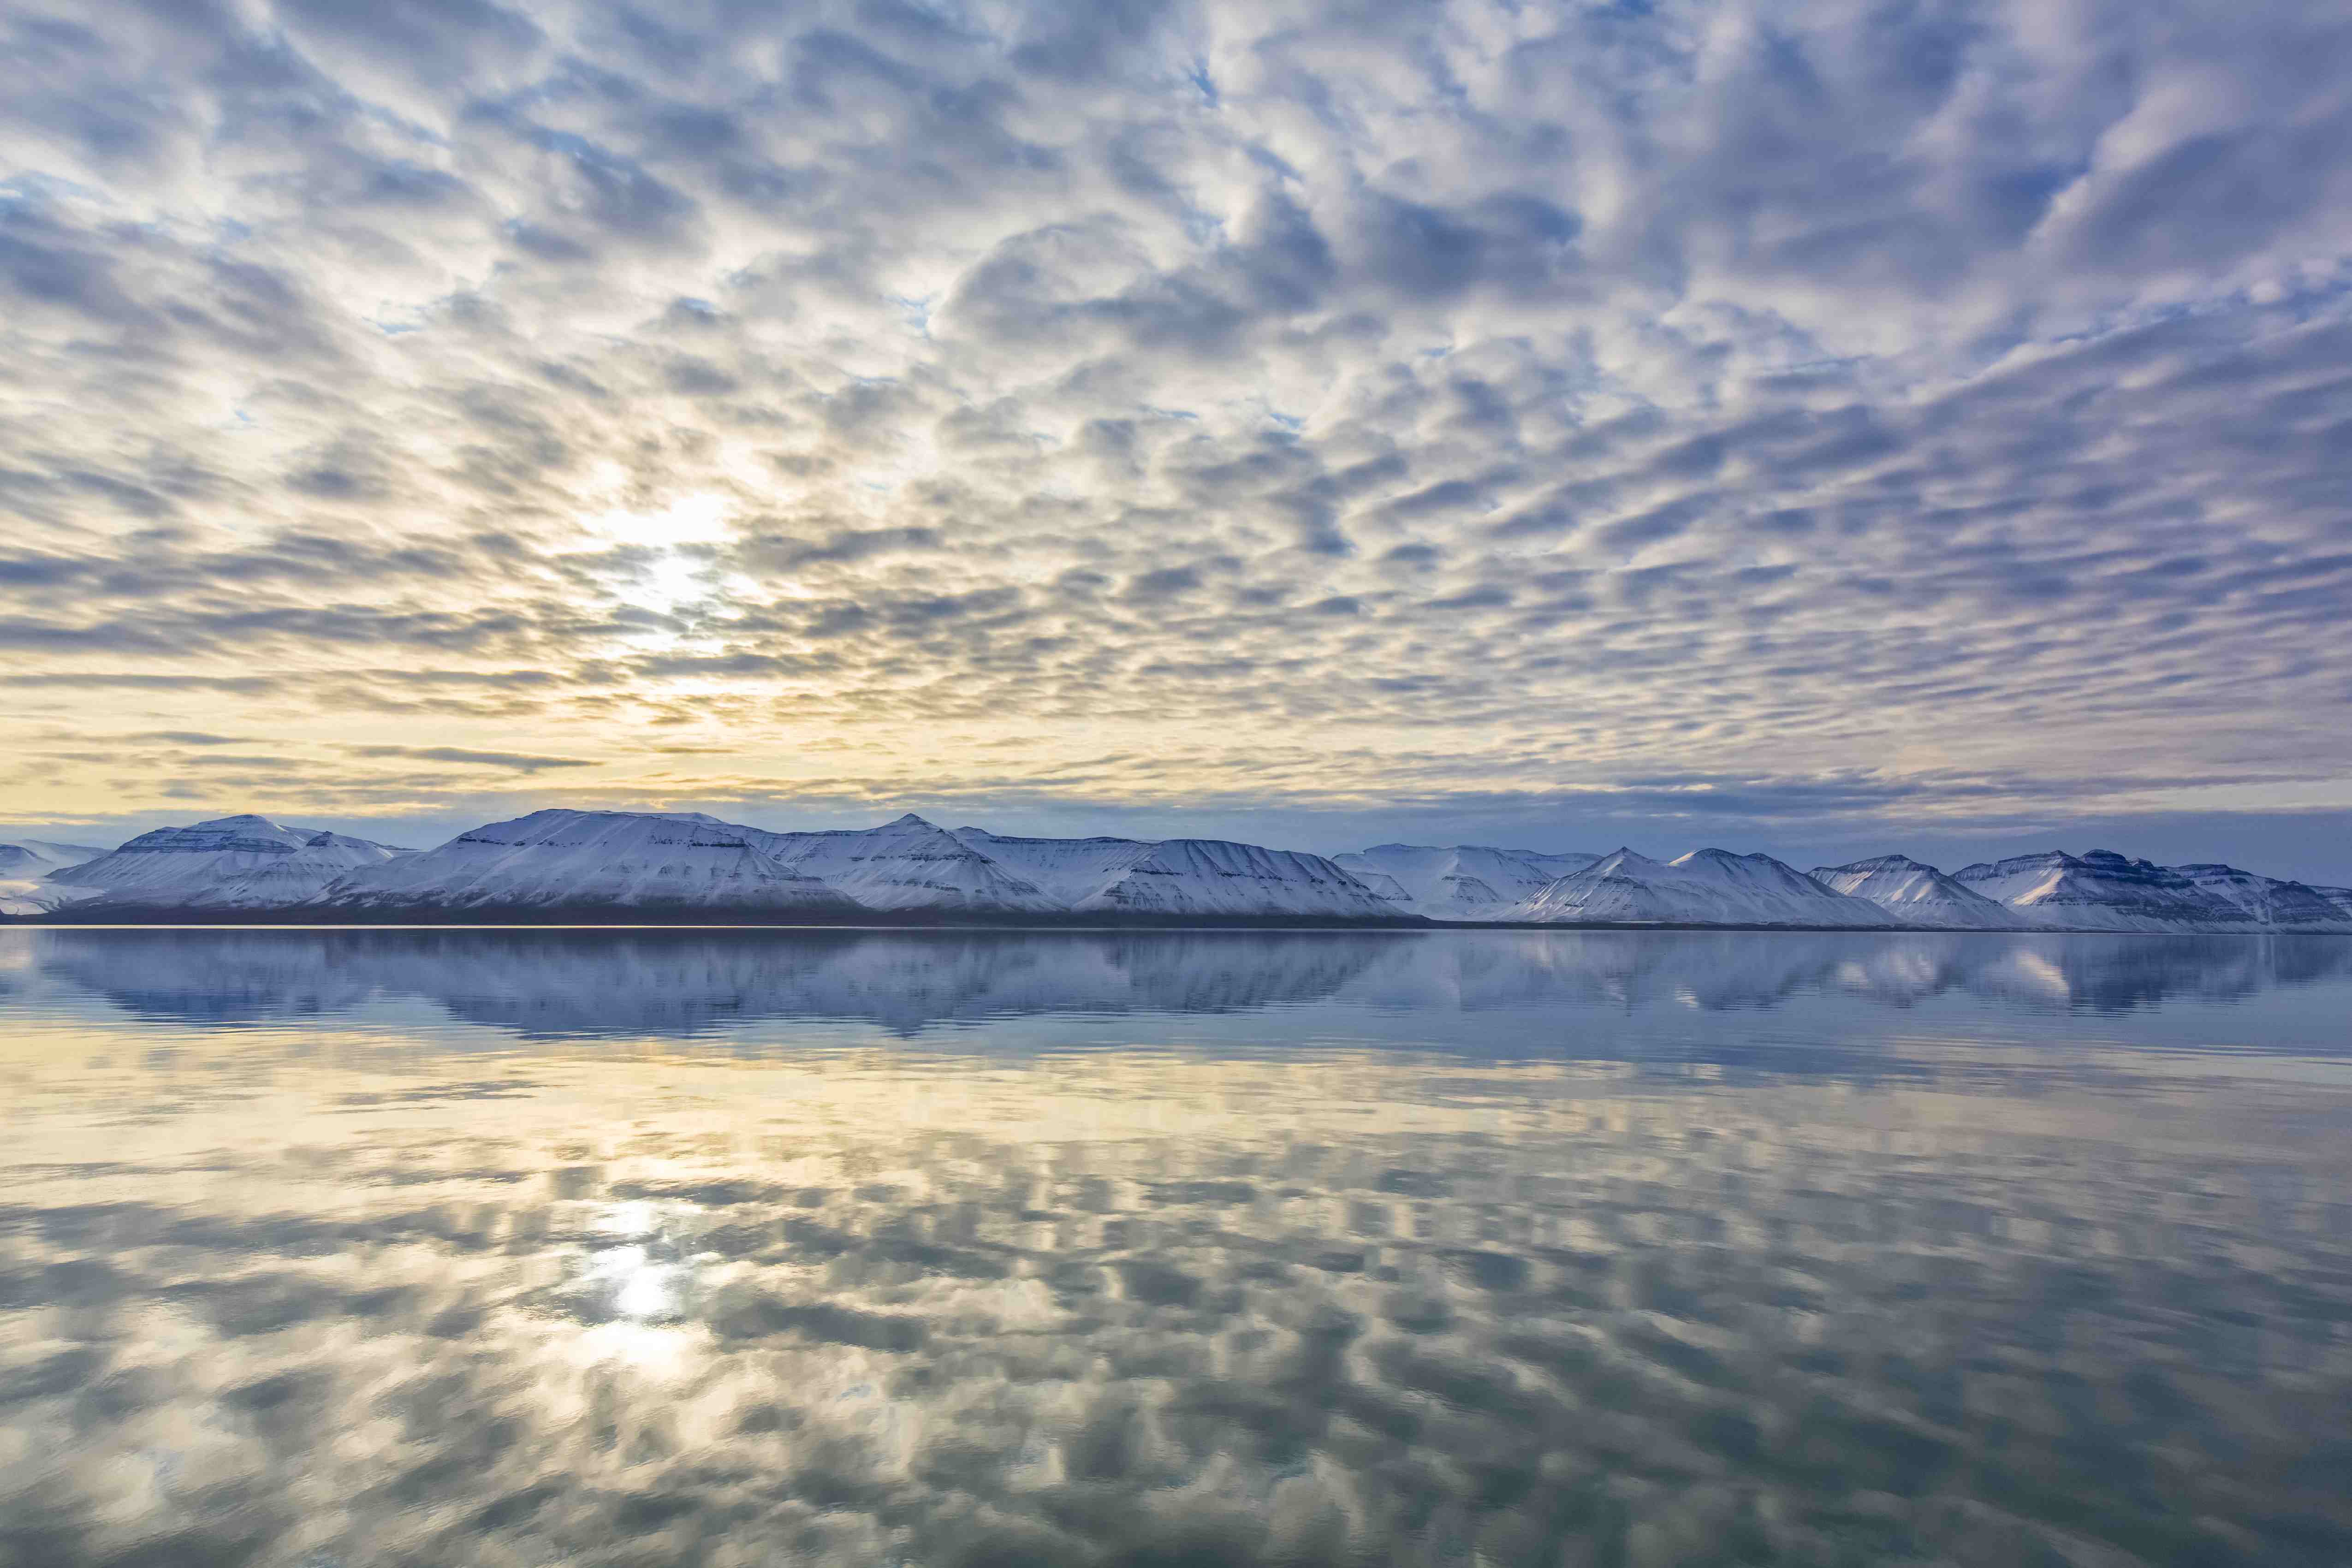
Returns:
(555,984)
(619,1292)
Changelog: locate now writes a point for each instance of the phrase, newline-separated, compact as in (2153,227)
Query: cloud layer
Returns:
(1916,411)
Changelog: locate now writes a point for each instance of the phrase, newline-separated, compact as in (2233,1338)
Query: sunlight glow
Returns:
(644,1291)
(643,1286)
(680,572)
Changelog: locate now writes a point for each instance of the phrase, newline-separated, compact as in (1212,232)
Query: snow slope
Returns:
(1465,882)
(2270,903)
(1706,887)
(1067,870)
(1916,894)
(1182,876)
(1380,884)
(39,857)
(2102,890)
(558,860)
(2340,896)
(1212,875)
(909,864)
(37,896)
(229,862)
(290,879)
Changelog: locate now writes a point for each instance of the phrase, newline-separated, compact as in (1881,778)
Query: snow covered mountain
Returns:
(2103,890)
(557,859)
(909,864)
(1215,876)
(1067,870)
(1916,894)
(229,862)
(291,879)
(1706,887)
(563,859)
(39,857)
(1466,883)
(1181,877)
(26,866)
(2270,903)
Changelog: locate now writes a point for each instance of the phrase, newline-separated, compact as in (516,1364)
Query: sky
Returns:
(1819,428)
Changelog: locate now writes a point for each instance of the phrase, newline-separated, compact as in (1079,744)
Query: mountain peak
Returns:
(1878,863)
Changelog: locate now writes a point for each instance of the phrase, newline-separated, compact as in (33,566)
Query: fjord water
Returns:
(345,1248)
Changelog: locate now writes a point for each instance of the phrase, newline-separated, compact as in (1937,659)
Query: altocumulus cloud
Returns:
(1360,405)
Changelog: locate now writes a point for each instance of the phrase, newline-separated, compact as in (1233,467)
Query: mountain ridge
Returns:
(561,864)
(1712,887)
(228,862)
(1904,886)
(1464,881)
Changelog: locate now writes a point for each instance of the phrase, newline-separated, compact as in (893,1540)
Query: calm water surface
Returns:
(331,1248)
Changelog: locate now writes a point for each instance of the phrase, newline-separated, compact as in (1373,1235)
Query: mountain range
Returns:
(558,864)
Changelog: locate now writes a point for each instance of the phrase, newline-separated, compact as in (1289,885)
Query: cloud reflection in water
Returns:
(515,1297)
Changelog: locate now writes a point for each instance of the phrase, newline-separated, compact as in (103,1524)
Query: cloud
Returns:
(1580,395)
(516,762)
(187,738)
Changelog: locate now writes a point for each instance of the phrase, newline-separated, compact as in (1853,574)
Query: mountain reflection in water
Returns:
(562,984)
(944,1249)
